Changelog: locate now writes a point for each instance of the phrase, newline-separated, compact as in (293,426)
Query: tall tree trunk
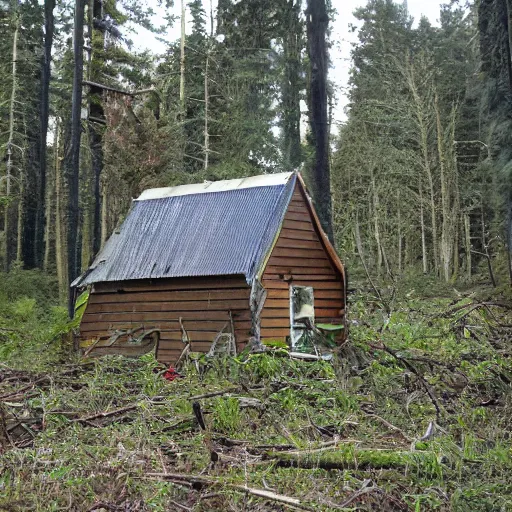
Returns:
(96,112)
(433,209)
(50,214)
(206,112)
(317,22)
(60,225)
(448,220)
(73,154)
(467,240)
(10,143)
(104,214)
(31,187)
(423,237)
(376,230)
(21,210)
(182,59)
(49,6)
(455,214)
(290,88)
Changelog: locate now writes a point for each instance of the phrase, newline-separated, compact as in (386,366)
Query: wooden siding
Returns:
(299,257)
(203,303)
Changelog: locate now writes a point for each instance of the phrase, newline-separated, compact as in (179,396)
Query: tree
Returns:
(49,26)
(10,141)
(292,81)
(72,157)
(495,49)
(317,22)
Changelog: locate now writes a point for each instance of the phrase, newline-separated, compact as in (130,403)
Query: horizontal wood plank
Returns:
(299,273)
(196,323)
(180,283)
(298,243)
(207,326)
(296,252)
(272,332)
(299,262)
(300,215)
(174,308)
(298,225)
(335,295)
(297,234)
(280,284)
(171,296)
(297,207)
(296,278)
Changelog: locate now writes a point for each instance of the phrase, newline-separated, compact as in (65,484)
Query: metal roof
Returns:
(221,228)
(264,180)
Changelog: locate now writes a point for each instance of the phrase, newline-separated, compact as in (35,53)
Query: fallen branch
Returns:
(198,482)
(474,305)
(412,368)
(180,506)
(389,425)
(213,393)
(365,489)
(26,388)
(106,414)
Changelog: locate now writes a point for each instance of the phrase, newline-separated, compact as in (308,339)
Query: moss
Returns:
(352,458)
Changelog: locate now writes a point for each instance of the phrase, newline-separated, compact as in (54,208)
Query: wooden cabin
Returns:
(192,261)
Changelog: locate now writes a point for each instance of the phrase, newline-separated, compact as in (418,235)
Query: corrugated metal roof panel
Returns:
(204,234)
(265,180)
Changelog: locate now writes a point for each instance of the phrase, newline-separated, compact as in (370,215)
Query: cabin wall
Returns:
(299,258)
(203,303)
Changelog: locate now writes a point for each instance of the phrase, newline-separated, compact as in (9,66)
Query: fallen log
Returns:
(351,458)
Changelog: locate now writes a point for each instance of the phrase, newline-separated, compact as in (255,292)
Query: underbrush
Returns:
(32,324)
(412,414)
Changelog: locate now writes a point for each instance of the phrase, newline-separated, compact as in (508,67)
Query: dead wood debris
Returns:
(427,387)
(199,482)
(101,415)
(388,425)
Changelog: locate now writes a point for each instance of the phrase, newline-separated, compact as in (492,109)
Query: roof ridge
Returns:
(262,180)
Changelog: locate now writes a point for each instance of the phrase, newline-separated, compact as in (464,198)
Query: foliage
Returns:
(371,401)
(414,177)
(32,325)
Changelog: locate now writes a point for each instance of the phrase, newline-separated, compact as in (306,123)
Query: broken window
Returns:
(302,311)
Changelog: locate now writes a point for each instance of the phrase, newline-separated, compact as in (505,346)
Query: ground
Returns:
(412,414)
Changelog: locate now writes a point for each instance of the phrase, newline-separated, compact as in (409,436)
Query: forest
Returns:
(419,172)
(414,189)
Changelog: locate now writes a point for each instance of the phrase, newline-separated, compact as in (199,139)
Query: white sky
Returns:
(341,36)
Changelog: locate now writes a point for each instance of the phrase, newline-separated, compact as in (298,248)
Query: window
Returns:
(302,311)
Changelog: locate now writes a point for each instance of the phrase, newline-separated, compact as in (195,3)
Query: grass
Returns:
(372,401)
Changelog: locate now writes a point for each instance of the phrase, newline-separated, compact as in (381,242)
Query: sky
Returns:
(340,33)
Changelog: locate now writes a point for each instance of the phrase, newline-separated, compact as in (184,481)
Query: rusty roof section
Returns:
(219,228)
